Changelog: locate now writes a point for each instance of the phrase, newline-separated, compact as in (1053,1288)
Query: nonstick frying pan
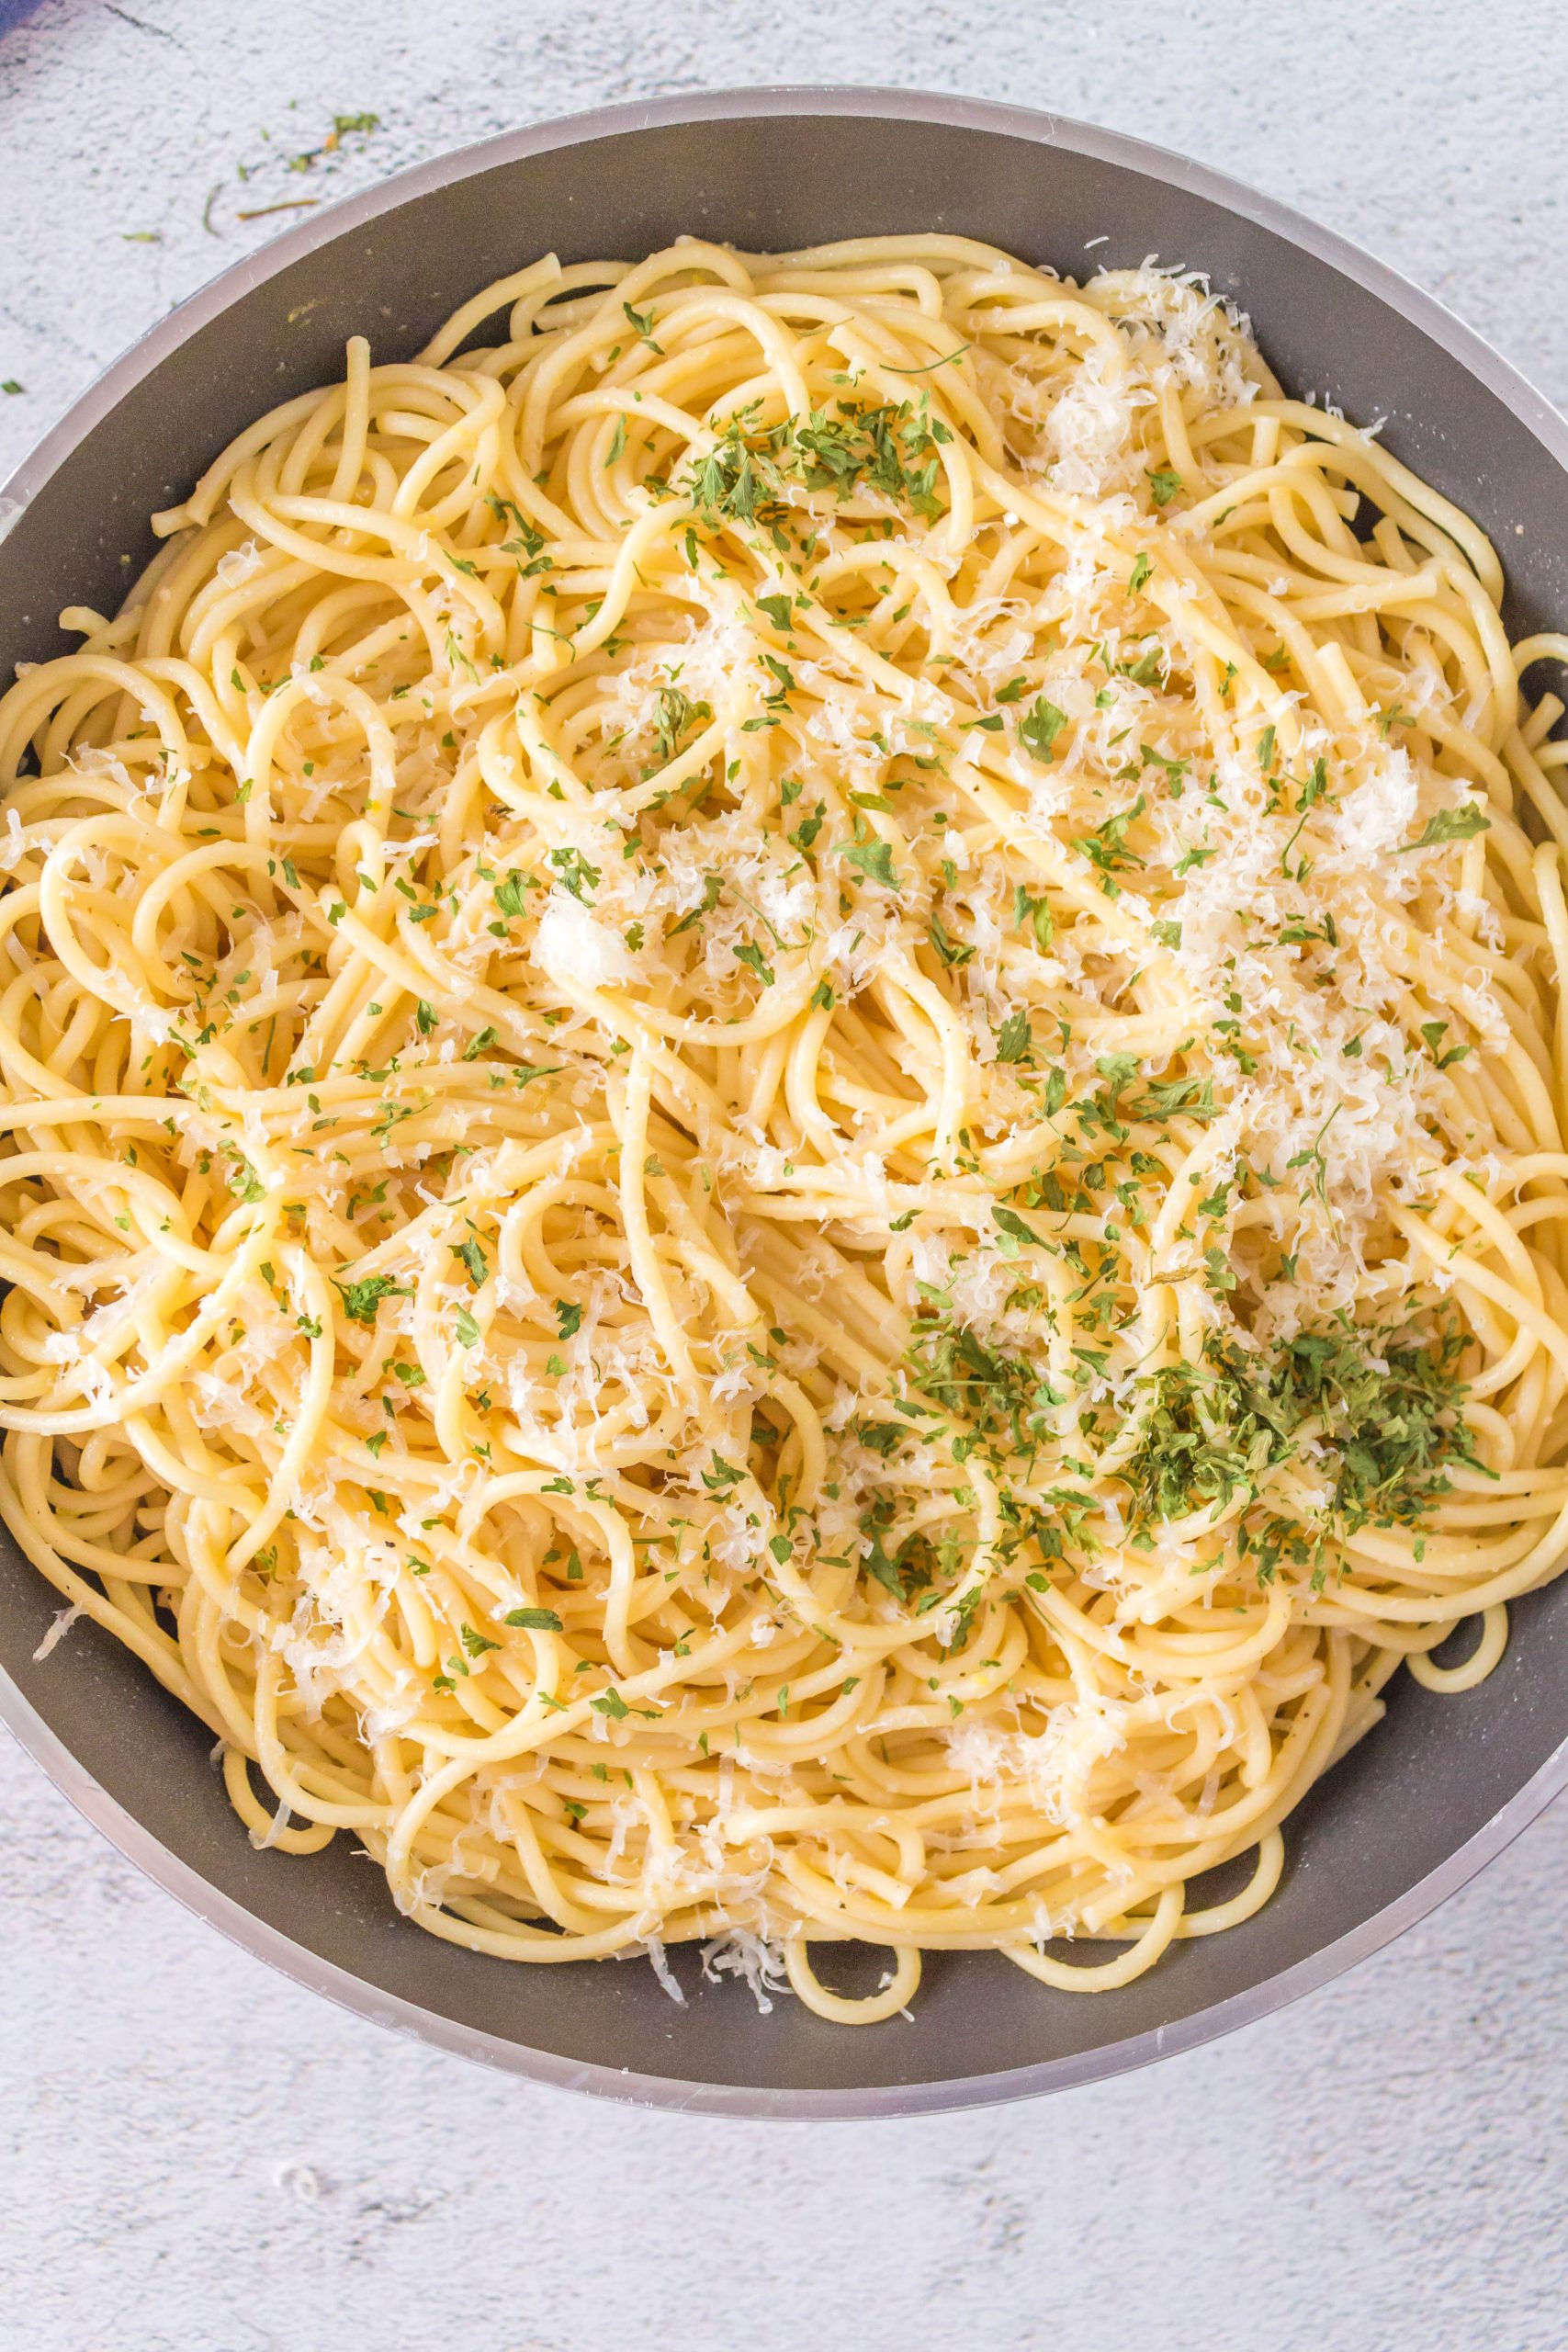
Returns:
(1443,1783)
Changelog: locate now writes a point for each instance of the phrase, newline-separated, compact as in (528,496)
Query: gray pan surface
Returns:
(1444,1782)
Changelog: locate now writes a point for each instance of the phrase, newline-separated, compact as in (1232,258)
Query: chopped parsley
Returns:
(361,1299)
(1039,728)
(875,860)
(1381,1410)
(1449,825)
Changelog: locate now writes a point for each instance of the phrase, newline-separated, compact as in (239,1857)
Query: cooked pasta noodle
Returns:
(781,1070)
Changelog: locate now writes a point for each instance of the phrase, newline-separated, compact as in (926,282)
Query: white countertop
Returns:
(201,2158)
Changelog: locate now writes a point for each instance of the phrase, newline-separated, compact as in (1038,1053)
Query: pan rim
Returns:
(161,1862)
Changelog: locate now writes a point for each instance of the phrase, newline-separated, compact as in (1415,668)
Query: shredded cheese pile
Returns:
(781,1076)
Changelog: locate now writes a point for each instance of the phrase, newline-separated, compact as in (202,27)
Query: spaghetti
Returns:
(782,1075)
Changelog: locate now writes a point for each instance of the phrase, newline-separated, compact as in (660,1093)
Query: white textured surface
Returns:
(200,2159)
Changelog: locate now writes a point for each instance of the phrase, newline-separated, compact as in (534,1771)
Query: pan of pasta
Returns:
(782,1196)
